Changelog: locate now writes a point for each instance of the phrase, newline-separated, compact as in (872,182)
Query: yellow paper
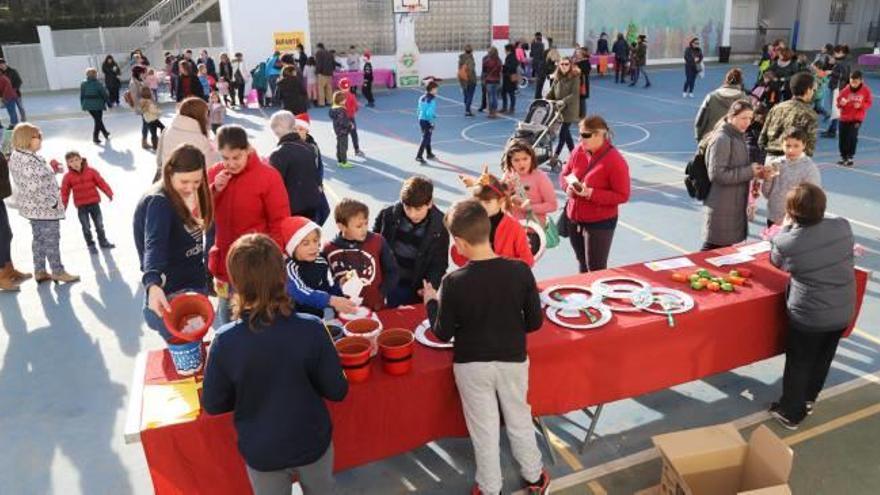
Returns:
(170,403)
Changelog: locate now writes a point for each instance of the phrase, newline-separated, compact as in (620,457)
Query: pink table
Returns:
(869,59)
(356,77)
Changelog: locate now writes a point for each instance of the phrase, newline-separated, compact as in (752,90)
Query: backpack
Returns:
(696,176)
(129,100)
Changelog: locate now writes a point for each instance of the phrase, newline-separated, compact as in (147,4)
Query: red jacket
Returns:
(351,105)
(254,201)
(85,185)
(848,110)
(609,179)
(510,242)
(7,91)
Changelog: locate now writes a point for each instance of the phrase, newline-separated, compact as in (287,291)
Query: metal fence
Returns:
(749,41)
(28,61)
(452,24)
(94,41)
(555,19)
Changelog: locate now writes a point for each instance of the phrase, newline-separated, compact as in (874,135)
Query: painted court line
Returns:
(650,454)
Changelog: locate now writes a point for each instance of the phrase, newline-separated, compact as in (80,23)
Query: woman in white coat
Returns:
(189,126)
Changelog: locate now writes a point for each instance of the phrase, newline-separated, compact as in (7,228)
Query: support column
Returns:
(500,23)
(728,19)
(581,27)
(47,47)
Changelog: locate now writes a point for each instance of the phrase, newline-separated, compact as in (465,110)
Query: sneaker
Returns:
(842,162)
(647,85)
(828,134)
(810,405)
(371,105)
(780,418)
(344,165)
(93,249)
(64,277)
(684,95)
(42,276)
(541,486)
(421,160)
(432,156)
(476,490)
(469,114)
(96,141)
(849,163)
(107,245)
(690,95)
(632,84)
(360,153)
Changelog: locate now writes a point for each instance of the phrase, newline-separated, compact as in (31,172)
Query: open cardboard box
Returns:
(716,460)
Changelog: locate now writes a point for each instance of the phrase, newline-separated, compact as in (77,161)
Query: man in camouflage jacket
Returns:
(797,112)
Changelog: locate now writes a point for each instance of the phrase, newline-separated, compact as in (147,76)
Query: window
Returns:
(367,24)
(555,19)
(838,13)
(451,24)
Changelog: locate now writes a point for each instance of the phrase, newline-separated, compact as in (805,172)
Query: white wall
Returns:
(815,30)
(248,24)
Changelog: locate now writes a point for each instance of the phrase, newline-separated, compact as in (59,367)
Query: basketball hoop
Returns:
(409,7)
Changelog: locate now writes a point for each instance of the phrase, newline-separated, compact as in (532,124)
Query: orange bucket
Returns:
(354,354)
(396,348)
(184,308)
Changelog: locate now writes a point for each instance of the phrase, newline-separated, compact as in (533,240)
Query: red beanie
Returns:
(294,230)
(344,84)
(303,120)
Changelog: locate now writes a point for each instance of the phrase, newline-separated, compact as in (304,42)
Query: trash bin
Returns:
(724,54)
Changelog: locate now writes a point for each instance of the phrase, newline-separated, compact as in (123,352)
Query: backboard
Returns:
(410,6)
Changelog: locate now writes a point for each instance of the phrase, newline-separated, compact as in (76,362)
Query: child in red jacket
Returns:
(853,101)
(84,182)
(351,109)
(507,237)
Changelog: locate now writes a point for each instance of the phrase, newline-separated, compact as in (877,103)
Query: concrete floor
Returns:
(67,353)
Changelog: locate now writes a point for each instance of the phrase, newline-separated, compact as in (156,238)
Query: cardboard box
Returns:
(716,460)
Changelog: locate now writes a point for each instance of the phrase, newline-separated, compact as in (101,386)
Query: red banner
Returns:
(500,32)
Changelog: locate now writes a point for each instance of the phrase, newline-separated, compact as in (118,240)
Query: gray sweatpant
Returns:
(314,478)
(46,245)
(483,386)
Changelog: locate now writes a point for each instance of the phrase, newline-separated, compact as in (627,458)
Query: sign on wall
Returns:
(286,41)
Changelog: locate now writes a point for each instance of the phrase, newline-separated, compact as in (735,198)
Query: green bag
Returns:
(552,233)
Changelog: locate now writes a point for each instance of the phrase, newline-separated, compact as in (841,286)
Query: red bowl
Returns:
(354,355)
(185,306)
(396,346)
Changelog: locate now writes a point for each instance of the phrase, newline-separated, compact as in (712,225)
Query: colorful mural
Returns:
(669,24)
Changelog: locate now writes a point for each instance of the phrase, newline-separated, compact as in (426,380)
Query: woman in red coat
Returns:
(507,236)
(596,180)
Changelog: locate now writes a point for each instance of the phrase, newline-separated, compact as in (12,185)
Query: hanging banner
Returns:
(286,41)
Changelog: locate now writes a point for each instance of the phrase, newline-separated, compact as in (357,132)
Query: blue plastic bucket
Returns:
(188,357)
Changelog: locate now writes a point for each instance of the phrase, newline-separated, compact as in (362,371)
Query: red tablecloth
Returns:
(356,77)
(633,355)
(595,60)
(869,59)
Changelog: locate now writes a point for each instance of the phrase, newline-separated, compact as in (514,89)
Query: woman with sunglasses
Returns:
(596,180)
(566,88)
(730,172)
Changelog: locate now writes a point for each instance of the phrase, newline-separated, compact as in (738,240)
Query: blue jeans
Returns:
(92,211)
(223,314)
(427,131)
(492,89)
(468,91)
(12,110)
(690,78)
(565,138)
(5,236)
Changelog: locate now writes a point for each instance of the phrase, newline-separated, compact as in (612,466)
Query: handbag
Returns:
(514,78)
(551,232)
(463,73)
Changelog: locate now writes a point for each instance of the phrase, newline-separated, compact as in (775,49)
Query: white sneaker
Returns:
(684,95)
(690,95)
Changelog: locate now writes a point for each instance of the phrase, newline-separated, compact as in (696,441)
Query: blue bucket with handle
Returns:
(188,357)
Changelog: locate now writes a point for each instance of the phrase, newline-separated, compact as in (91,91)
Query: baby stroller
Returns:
(540,129)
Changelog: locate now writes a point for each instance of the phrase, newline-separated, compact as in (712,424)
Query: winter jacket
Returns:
(538,189)
(609,179)
(209,65)
(840,73)
(510,68)
(714,108)
(351,105)
(150,110)
(190,85)
(783,70)
(730,171)
(309,285)
(254,201)
(621,51)
(792,113)
(792,173)
(427,108)
(491,70)
(7,92)
(585,68)
(38,195)
(821,293)
(537,51)
(259,81)
(111,74)
(567,89)
(272,69)
(275,380)
(467,59)
(433,253)
(5,185)
(692,58)
(84,185)
(602,47)
(510,241)
(292,94)
(134,90)
(848,99)
(171,254)
(14,78)
(299,163)
(324,63)
(225,71)
(240,72)
(642,54)
(371,259)
(184,130)
(93,96)
(341,120)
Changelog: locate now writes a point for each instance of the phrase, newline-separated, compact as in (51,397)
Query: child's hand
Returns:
(428,292)
(342,304)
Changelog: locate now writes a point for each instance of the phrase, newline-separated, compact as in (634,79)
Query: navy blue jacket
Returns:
(171,254)
(275,379)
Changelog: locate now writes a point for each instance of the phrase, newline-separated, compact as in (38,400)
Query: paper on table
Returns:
(352,288)
(670,264)
(730,259)
(756,248)
(170,403)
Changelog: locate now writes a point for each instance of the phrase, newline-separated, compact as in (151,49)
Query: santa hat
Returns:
(294,230)
(303,120)
(367,54)
(344,84)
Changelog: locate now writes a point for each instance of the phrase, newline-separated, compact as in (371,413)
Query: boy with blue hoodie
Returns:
(427,117)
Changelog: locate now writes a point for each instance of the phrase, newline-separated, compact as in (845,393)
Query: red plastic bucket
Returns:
(354,354)
(396,347)
(185,307)
(364,327)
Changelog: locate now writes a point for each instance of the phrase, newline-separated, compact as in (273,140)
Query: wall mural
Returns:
(669,24)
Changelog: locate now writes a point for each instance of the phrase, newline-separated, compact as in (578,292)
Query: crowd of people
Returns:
(220,220)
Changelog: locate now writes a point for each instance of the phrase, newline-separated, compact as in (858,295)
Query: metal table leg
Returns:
(594,419)
(542,428)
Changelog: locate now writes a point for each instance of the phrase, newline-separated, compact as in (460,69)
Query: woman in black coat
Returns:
(111,79)
(509,74)
(225,72)
(693,57)
(188,83)
(583,63)
(298,160)
(292,92)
